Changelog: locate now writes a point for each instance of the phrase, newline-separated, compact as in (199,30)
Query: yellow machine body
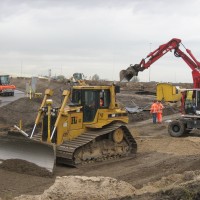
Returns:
(168,92)
(70,122)
(88,126)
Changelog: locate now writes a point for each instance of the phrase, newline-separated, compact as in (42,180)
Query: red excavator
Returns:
(158,53)
(190,108)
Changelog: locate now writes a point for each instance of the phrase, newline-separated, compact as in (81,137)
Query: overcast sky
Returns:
(96,37)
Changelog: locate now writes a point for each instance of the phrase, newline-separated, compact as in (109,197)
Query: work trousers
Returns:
(159,117)
(154,115)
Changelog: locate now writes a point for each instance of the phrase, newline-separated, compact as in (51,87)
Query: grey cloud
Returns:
(88,34)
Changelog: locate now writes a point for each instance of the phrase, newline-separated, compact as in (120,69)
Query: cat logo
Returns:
(101,115)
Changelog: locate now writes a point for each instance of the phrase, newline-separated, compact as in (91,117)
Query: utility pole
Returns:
(150,67)
(21,68)
(49,75)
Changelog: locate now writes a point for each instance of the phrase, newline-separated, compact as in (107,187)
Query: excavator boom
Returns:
(152,57)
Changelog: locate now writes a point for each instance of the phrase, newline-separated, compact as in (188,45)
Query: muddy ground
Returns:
(164,167)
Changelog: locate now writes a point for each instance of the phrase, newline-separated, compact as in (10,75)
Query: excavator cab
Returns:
(190,101)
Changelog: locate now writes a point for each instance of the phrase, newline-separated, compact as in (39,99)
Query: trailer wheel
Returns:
(176,128)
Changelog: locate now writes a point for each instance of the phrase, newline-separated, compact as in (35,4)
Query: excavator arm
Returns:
(192,63)
(152,57)
(158,53)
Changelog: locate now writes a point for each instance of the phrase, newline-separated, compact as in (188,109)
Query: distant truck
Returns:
(78,76)
(6,89)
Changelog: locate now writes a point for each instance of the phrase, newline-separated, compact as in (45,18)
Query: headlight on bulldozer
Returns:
(53,114)
(44,109)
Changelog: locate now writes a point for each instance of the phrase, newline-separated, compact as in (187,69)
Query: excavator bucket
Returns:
(20,148)
(129,73)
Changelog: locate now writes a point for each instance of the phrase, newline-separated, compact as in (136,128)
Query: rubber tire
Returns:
(176,128)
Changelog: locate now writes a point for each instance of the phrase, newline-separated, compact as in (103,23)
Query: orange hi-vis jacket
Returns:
(160,107)
(154,108)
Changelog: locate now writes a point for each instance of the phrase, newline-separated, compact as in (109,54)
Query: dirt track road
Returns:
(159,155)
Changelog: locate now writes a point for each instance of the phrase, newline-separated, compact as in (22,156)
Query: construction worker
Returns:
(101,101)
(159,112)
(154,110)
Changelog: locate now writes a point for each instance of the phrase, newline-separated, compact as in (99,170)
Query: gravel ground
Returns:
(164,167)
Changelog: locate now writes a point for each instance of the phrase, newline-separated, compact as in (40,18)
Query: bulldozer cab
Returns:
(91,100)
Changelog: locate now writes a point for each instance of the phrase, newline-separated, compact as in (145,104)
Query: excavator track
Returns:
(96,145)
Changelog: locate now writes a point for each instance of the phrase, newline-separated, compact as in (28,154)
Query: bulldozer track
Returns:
(65,153)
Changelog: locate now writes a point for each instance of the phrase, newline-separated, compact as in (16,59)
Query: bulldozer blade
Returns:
(26,149)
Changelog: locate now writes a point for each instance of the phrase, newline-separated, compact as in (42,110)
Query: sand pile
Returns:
(22,109)
(97,188)
(82,187)
(173,146)
(176,186)
(169,182)
(24,167)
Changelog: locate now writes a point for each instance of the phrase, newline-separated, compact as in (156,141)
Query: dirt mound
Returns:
(82,187)
(171,145)
(26,109)
(176,186)
(148,86)
(24,167)
(169,182)
(23,109)
(41,86)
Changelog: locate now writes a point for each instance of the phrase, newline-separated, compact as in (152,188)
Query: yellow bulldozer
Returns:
(88,126)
